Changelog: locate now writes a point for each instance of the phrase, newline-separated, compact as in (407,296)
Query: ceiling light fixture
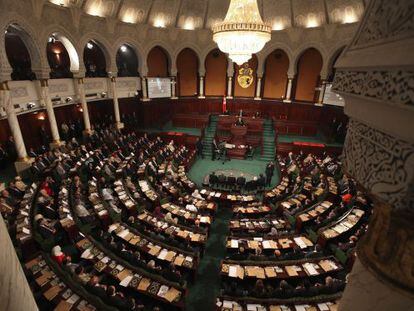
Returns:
(123,48)
(89,45)
(242,33)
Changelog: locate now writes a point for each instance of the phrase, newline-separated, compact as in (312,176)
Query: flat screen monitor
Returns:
(159,87)
(331,98)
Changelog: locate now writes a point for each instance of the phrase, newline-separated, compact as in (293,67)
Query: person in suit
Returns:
(213,179)
(221,179)
(200,148)
(261,182)
(269,172)
(231,181)
(241,181)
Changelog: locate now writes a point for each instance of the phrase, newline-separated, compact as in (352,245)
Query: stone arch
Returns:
(188,63)
(61,34)
(197,52)
(309,66)
(105,47)
(264,54)
(135,46)
(28,36)
(171,69)
(167,49)
(299,52)
(333,57)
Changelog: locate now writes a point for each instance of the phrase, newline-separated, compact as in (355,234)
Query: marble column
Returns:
(174,87)
(201,88)
(288,91)
(229,87)
(144,89)
(85,112)
(322,92)
(23,161)
(118,124)
(45,95)
(15,293)
(258,88)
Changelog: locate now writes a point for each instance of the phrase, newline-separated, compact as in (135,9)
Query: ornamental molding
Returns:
(381,163)
(388,246)
(386,21)
(395,86)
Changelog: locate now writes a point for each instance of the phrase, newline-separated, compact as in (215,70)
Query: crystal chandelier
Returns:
(242,33)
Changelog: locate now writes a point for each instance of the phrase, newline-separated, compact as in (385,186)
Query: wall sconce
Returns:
(41,116)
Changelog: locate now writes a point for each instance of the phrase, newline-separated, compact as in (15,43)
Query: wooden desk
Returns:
(254,125)
(191,120)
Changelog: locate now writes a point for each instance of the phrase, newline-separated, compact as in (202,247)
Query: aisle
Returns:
(206,287)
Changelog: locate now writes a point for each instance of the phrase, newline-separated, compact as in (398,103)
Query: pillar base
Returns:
(287,101)
(146,99)
(174,97)
(201,97)
(119,125)
(23,165)
(319,104)
(257,98)
(229,97)
(56,144)
(87,133)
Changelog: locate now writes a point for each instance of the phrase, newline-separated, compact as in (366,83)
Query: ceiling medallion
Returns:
(242,33)
(245,76)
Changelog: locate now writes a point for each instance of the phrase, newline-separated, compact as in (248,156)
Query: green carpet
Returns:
(203,167)
(202,294)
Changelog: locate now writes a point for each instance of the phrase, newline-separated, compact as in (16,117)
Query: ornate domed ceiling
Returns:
(203,14)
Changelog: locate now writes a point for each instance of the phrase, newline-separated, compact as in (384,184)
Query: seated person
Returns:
(221,179)
(240,122)
(58,255)
(96,288)
(241,181)
(46,227)
(231,180)
(213,178)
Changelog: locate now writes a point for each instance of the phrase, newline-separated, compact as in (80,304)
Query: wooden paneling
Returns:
(309,68)
(157,62)
(216,73)
(187,76)
(275,75)
(250,91)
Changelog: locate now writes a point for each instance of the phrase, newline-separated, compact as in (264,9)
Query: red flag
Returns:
(224,104)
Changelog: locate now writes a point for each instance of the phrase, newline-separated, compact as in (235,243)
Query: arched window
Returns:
(94,59)
(58,58)
(127,61)
(18,54)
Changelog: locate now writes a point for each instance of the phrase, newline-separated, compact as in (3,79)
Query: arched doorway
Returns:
(309,68)
(187,75)
(216,73)
(275,75)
